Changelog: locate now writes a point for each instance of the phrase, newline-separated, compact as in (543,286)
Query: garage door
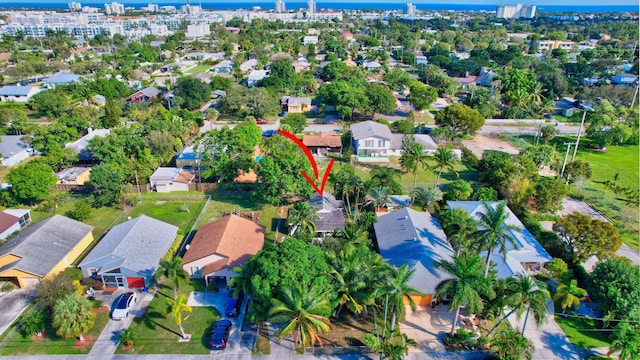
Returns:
(135,282)
(30,282)
(420,300)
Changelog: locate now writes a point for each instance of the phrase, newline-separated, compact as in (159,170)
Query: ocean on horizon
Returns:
(294,5)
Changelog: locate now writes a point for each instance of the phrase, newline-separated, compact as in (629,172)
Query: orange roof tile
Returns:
(322,139)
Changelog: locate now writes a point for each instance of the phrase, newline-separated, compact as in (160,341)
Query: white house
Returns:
(167,179)
(17,93)
(374,142)
(371,65)
(12,220)
(255,76)
(13,150)
(310,40)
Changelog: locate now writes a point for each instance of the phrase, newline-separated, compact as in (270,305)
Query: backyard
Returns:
(13,342)
(179,209)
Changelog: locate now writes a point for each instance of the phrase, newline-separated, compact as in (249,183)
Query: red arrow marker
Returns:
(313,164)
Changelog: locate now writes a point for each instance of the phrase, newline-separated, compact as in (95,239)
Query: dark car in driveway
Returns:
(233,304)
(220,334)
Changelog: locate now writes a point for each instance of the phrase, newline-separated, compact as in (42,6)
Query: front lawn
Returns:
(156,333)
(15,343)
(583,332)
(199,69)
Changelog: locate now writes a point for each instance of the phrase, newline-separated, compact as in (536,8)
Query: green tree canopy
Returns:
(295,121)
(72,316)
(614,284)
(51,103)
(460,119)
(108,182)
(585,237)
(420,95)
(193,92)
(380,99)
(31,182)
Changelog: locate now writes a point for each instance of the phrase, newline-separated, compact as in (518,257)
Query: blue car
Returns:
(233,304)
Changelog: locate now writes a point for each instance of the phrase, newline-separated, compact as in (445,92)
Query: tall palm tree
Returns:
(304,314)
(413,157)
(172,270)
(72,316)
(626,339)
(569,295)
(301,219)
(459,227)
(352,232)
(509,344)
(397,289)
(427,197)
(519,98)
(444,158)
(493,231)
(467,284)
(387,177)
(176,307)
(526,293)
(378,197)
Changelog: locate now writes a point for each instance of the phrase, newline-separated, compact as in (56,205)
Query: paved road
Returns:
(13,304)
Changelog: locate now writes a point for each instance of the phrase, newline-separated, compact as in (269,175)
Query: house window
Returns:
(368,143)
(380,143)
(92,271)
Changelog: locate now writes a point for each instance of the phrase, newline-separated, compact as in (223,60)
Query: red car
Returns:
(261,121)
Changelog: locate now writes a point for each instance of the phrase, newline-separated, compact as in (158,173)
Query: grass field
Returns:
(623,160)
(159,334)
(15,343)
(179,209)
(582,332)
(199,69)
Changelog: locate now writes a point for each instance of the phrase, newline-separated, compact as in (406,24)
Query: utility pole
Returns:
(635,94)
(575,150)
(138,186)
(564,163)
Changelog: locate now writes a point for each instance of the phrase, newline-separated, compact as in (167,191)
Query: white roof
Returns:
(256,75)
(367,129)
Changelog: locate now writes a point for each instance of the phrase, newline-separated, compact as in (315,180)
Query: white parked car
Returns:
(122,305)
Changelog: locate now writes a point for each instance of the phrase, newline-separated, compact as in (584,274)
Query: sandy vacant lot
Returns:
(481,143)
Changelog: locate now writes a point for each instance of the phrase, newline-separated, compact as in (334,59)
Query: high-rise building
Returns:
(311,7)
(74,6)
(280,6)
(515,11)
(114,9)
(411,9)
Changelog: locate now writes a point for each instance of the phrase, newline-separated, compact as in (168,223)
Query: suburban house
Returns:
(224,66)
(145,95)
(309,40)
(12,220)
(301,64)
(74,176)
(426,141)
(394,203)
(527,255)
(60,79)
(255,76)
(565,107)
(371,139)
(416,239)
(221,245)
(465,82)
(96,101)
(17,93)
(249,65)
(129,255)
(295,104)
(323,143)
(13,150)
(42,249)
(187,158)
(625,79)
(80,145)
(486,77)
(371,65)
(329,213)
(167,179)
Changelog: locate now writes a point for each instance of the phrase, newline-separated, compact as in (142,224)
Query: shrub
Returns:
(81,210)
(74,273)
(32,324)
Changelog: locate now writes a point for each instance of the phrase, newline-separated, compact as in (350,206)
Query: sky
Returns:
(319,2)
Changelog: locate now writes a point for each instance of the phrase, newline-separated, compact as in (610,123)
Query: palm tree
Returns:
(467,284)
(569,295)
(387,348)
(304,314)
(459,227)
(175,308)
(626,339)
(427,197)
(413,157)
(526,293)
(519,98)
(172,270)
(377,197)
(301,219)
(72,316)
(509,344)
(494,232)
(444,158)
(397,289)
(352,232)
(384,176)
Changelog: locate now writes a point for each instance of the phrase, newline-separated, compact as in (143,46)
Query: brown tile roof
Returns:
(185,177)
(7,221)
(322,139)
(234,238)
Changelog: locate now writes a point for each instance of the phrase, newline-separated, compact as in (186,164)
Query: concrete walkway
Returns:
(13,303)
(108,341)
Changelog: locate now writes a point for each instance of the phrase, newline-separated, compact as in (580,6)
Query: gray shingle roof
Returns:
(368,129)
(11,145)
(414,238)
(150,92)
(137,244)
(41,246)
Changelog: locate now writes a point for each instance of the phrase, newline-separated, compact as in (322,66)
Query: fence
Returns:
(343,350)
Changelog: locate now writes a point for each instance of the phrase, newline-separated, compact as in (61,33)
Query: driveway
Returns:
(13,303)
(108,341)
